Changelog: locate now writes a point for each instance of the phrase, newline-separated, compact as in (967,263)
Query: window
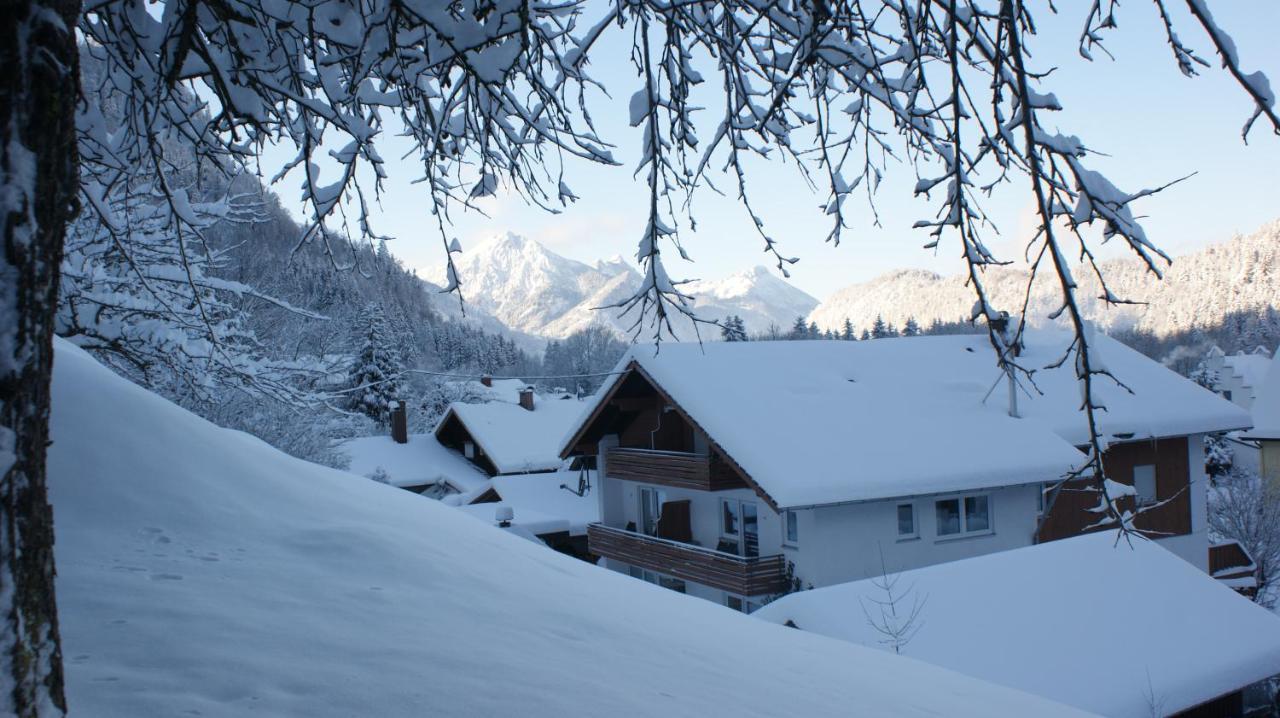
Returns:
(792,528)
(964,515)
(651,501)
(469,450)
(733,602)
(1227,395)
(750,530)
(729,517)
(1144,482)
(648,576)
(977,514)
(739,519)
(907,521)
(948,517)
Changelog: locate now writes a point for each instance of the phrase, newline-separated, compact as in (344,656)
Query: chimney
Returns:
(486,380)
(526,398)
(399,423)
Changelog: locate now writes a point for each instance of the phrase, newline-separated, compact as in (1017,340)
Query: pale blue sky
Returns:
(1154,124)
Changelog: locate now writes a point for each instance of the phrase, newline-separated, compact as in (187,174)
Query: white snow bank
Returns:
(517,439)
(421,461)
(202,572)
(818,422)
(1082,621)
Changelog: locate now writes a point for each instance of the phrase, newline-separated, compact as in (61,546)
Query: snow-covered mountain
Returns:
(1200,288)
(531,289)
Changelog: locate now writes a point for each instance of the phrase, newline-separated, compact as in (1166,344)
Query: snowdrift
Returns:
(202,572)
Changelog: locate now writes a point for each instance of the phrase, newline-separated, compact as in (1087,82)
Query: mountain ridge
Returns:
(535,291)
(1198,288)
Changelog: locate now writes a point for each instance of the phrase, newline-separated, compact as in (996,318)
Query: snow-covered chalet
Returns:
(740,471)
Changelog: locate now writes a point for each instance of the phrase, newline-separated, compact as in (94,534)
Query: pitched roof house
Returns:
(737,470)
(502,437)
(1125,630)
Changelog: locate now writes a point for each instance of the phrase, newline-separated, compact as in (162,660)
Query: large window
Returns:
(907,521)
(740,527)
(648,576)
(1144,482)
(651,501)
(964,515)
(792,533)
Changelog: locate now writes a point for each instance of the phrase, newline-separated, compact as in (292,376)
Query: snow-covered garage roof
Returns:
(820,422)
(514,438)
(1105,627)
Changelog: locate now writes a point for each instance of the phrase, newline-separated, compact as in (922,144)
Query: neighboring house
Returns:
(1266,424)
(502,437)
(422,465)
(1239,375)
(739,471)
(1231,564)
(1124,630)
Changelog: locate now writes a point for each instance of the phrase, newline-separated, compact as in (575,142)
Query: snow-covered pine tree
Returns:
(732,329)
(846,332)
(373,381)
(879,330)
(799,329)
(911,329)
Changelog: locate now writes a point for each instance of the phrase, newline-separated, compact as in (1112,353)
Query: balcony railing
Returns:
(756,576)
(677,469)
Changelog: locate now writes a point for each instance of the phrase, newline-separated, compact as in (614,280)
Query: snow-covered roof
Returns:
(1251,368)
(1083,621)
(420,462)
(540,494)
(819,422)
(507,390)
(522,519)
(202,571)
(1266,405)
(514,438)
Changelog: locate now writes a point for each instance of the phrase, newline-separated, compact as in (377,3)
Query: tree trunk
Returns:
(39,85)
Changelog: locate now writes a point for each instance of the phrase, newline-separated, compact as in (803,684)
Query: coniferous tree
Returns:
(879,330)
(373,382)
(799,330)
(732,329)
(911,329)
(846,333)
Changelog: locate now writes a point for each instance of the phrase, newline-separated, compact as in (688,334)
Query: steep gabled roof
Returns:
(515,439)
(820,422)
(1093,623)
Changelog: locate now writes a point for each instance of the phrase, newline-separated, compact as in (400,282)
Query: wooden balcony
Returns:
(677,469)
(757,576)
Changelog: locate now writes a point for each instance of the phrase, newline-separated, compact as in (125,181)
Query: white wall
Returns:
(844,543)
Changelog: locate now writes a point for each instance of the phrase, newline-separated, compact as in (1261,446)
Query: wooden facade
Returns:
(678,469)
(1071,512)
(757,576)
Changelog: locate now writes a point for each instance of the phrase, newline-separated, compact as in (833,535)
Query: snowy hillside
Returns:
(1236,276)
(201,572)
(534,290)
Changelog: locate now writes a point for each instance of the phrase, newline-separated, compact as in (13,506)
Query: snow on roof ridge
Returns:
(752,397)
